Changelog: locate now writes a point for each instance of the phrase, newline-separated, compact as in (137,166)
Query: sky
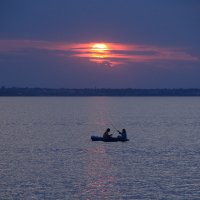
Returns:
(100,43)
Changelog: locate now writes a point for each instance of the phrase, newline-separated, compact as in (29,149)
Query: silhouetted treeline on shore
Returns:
(14,91)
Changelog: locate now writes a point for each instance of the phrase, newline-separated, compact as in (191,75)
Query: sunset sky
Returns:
(100,43)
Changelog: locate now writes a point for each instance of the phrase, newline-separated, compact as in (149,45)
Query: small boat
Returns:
(112,139)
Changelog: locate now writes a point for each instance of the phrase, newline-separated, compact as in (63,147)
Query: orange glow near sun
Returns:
(114,54)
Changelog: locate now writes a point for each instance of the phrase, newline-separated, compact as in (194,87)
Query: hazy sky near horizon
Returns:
(100,43)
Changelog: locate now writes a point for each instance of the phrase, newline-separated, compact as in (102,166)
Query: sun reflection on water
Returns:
(100,183)
(98,166)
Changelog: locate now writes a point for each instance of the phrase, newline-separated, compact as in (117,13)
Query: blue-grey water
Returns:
(46,151)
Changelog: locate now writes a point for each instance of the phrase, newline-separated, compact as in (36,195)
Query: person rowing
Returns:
(107,134)
(123,134)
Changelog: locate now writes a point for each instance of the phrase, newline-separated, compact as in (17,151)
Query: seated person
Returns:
(106,135)
(123,134)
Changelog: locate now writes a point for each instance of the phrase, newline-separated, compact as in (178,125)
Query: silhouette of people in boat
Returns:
(107,134)
(123,134)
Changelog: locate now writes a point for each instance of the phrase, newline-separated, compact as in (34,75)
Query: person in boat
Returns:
(107,134)
(123,134)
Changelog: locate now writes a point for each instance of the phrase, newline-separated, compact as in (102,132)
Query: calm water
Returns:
(46,152)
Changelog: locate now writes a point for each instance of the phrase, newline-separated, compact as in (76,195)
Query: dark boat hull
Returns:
(113,139)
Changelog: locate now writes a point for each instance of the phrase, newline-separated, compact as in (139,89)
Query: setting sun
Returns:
(99,51)
(99,47)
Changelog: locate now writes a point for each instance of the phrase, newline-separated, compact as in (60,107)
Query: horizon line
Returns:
(97,88)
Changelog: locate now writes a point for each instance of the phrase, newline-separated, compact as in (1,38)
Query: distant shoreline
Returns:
(15,91)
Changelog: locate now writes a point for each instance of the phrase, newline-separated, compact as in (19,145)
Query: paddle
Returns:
(114,127)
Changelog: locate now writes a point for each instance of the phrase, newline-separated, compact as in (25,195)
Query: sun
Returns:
(100,53)
(99,47)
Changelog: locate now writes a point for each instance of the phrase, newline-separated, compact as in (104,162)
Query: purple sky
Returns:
(148,44)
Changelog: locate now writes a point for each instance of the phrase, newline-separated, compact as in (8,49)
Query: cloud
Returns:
(114,53)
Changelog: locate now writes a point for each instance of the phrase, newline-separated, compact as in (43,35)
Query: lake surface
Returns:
(46,151)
